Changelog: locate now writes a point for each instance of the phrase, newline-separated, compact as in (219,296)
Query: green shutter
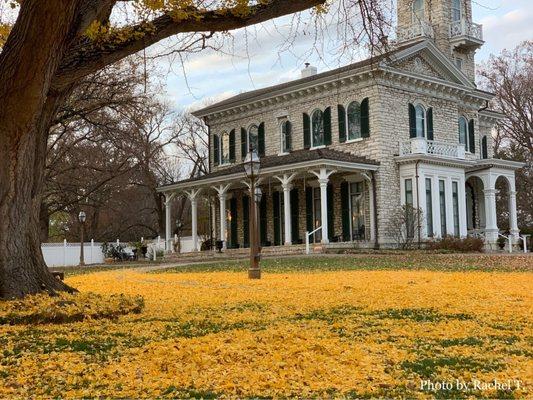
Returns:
(232,146)
(288,136)
(216,150)
(307,131)
(246,220)
(429,115)
(331,215)
(295,216)
(484,148)
(471,137)
(341,113)
(234,237)
(263,220)
(309,209)
(412,121)
(327,126)
(365,118)
(261,140)
(345,206)
(275,206)
(244,147)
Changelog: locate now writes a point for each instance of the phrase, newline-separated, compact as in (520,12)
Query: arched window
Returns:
(253,138)
(224,148)
(456,10)
(418,10)
(286,136)
(420,115)
(317,124)
(354,120)
(463,132)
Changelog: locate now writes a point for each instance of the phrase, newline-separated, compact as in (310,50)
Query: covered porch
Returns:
(323,190)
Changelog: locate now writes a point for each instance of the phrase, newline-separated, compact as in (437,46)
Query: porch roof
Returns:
(292,162)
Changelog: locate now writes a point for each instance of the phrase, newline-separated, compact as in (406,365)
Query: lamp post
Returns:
(179,225)
(252,164)
(82,217)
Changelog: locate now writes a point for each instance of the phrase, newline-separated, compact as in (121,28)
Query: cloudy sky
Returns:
(263,55)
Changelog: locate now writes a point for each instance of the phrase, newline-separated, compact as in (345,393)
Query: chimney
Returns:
(309,70)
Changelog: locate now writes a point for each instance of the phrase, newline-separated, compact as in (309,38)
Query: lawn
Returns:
(314,327)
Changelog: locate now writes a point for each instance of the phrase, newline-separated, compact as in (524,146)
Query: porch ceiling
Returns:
(300,161)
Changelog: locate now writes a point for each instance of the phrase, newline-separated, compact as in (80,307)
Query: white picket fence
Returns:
(68,254)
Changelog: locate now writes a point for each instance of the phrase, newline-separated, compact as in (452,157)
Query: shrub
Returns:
(64,308)
(452,243)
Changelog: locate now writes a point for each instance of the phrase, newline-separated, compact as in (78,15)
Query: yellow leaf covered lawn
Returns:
(334,334)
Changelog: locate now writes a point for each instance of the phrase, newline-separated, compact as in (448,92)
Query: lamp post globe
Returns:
(82,217)
(252,164)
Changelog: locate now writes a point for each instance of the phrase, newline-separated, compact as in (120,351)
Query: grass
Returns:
(313,327)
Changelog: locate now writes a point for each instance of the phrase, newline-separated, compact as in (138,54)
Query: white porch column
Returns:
(323,179)
(168,224)
(222,191)
(193,197)
(463,229)
(491,222)
(287,187)
(513,220)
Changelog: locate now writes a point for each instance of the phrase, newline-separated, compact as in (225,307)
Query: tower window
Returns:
(420,121)
(456,10)
(418,10)
(463,132)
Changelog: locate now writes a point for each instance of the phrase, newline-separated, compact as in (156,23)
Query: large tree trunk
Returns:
(26,72)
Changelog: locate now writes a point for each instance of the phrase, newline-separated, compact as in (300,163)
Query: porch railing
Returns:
(432,147)
(466,28)
(307,235)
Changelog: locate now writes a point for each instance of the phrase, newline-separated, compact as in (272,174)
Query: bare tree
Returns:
(404,225)
(510,77)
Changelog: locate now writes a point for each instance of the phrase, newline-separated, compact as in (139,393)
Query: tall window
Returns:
(354,120)
(455,197)
(317,123)
(409,204)
(418,10)
(224,148)
(456,10)
(317,214)
(253,138)
(286,132)
(484,148)
(429,208)
(463,132)
(442,201)
(420,114)
(357,211)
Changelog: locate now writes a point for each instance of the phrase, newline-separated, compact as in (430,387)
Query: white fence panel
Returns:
(68,254)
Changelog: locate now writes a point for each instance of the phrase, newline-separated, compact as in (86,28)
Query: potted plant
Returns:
(107,251)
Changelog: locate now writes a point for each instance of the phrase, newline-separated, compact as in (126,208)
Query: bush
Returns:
(64,308)
(452,243)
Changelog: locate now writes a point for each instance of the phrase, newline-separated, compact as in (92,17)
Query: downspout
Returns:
(374,196)
(484,107)
(418,203)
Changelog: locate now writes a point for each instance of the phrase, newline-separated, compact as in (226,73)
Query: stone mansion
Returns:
(342,151)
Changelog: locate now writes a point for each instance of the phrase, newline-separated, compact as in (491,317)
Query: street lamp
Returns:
(252,164)
(82,217)
(179,226)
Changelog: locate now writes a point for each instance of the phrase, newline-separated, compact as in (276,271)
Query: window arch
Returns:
(418,10)
(286,136)
(353,115)
(463,131)
(456,10)
(224,148)
(317,128)
(253,138)
(420,119)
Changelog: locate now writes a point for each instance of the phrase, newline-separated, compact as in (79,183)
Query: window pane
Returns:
(420,121)
(418,9)
(409,192)
(253,137)
(442,200)
(463,129)
(354,120)
(456,10)
(318,128)
(225,148)
(357,211)
(455,196)
(429,208)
